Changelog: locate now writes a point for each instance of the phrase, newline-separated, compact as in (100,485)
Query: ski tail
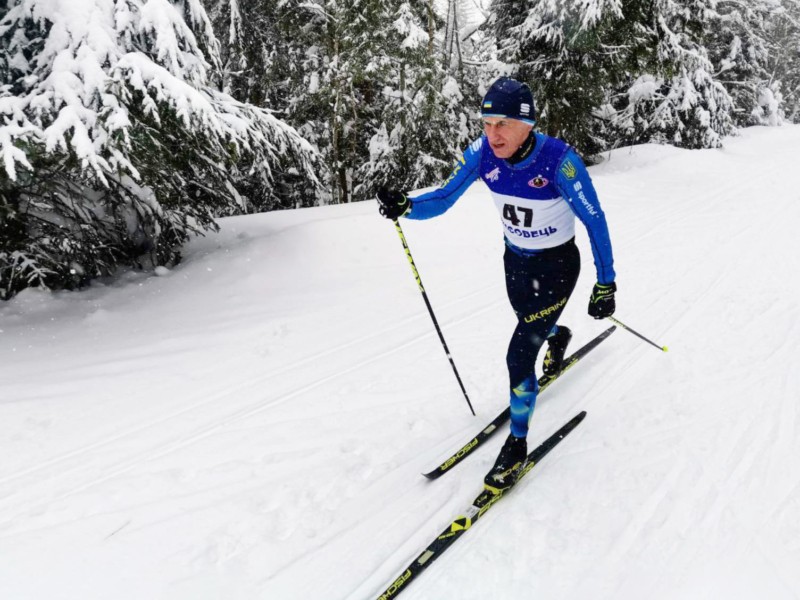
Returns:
(482,503)
(499,420)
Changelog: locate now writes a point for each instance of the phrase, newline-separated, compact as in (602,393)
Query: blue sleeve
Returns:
(576,187)
(435,203)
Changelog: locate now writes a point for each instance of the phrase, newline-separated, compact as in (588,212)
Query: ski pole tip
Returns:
(665,349)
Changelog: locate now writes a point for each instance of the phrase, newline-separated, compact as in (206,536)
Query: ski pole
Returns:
(430,311)
(637,334)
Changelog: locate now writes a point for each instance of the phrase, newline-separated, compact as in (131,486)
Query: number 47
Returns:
(510,214)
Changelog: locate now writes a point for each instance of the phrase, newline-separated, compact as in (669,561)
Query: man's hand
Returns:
(393,204)
(601,303)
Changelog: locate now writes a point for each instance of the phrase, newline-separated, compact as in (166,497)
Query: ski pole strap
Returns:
(636,333)
(430,312)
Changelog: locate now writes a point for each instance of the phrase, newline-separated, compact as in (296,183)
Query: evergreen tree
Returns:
(571,54)
(425,118)
(690,108)
(354,72)
(116,147)
(755,48)
(319,64)
(740,54)
(365,82)
(783,39)
(371,93)
(606,72)
(263,57)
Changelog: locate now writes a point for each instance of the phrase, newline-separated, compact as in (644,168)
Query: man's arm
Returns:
(576,187)
(435,203)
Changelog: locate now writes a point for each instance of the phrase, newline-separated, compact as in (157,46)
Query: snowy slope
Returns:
(253,423)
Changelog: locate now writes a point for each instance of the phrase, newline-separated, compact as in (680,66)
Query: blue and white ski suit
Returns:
(538,199)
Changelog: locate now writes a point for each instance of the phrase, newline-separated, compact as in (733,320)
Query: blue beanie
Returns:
(509,98)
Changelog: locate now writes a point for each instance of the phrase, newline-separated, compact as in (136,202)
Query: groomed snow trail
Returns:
(254,423)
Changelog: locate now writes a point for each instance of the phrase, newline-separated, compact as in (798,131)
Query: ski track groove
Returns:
(787,433)
(741,465)
(650,511)
(257,383)
(730,471)
(244,413)
(401,554)
(334,535)
(651,222)
(638,522)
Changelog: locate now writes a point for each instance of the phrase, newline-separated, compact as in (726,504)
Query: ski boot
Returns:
(556,348)
(509,462)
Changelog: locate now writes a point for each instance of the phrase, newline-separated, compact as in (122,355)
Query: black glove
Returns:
(393,204)
(601,303)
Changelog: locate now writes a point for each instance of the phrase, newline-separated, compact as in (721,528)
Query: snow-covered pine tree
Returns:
(263,54)
(425,118)
(233,28)
(321,63)
(607,72)
(571,54)
(365,67)
(739,50)
(114,144)
(755,48)
(783,40)
(677,97)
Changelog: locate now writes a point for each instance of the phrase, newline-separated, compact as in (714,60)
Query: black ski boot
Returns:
(556,348)
(506,469)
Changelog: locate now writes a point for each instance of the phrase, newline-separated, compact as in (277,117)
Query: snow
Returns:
(253,422)
(404,24)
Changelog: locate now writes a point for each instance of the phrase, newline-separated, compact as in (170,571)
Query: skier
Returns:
(539,185)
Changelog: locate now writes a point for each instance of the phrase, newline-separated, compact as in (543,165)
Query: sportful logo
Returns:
(578,187)
(569,170)
(525,108)
(493,175)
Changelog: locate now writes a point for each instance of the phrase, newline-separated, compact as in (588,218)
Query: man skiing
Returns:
(539,185)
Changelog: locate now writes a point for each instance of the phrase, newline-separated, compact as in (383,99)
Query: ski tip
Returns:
(581,416)
(432,475)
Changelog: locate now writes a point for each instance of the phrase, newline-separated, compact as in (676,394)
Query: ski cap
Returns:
(509,98)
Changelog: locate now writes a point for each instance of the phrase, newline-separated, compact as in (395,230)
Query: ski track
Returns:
(739,465)
(231,418)
(686,459)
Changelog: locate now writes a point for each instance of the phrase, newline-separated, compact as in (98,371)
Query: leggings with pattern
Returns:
(539,286)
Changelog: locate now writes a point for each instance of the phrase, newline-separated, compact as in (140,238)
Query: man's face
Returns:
(505,135)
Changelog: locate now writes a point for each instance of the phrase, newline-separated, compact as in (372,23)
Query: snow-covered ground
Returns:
(253,424)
